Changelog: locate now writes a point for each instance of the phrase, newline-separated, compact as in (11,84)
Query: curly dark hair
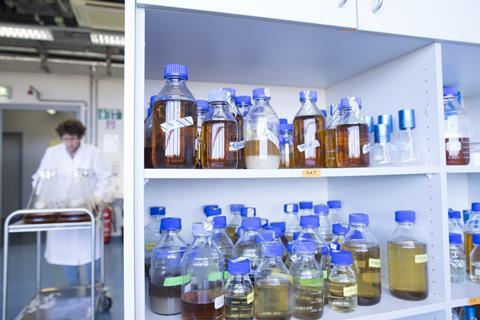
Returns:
(72,127)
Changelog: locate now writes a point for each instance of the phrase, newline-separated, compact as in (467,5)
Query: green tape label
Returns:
(312,282)
(325,274)
(226,275)
(215,276)
(176,281)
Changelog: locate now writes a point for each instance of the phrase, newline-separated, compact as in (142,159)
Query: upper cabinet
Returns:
(452,20)
(337,13)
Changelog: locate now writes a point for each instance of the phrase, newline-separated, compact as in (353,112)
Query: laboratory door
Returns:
(11,173)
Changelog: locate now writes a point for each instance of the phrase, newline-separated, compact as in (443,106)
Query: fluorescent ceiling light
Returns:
(25,32)
(51,111)
(107,39)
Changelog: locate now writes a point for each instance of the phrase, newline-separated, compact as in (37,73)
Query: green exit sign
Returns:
(109,114)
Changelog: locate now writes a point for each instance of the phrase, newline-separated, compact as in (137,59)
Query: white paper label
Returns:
(219,301)
(177,123)
(237,145)
(311,145)
(272,137)
(421,258)
(188,287)
(350,291)
(366,149)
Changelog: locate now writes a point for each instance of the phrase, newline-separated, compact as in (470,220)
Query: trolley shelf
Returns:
(20,226)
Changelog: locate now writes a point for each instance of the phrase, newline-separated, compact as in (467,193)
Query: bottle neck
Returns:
(406,224)
(358,226)
(306,256)
(175,81)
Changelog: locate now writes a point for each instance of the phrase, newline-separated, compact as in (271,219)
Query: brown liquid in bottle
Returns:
(462,157)
(330,148)
(468,248)
(241,137)
(165,300)
(174,148)
(217,152)
(307,129)
(232,233)
(352,144)
(200,305)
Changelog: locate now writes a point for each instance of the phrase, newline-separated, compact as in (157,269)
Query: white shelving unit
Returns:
(287,52)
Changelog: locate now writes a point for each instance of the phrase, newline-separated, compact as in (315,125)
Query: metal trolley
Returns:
(80,302)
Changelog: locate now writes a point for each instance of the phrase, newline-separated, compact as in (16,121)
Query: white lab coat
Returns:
(73,248)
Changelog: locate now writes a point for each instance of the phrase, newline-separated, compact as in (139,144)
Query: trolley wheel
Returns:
(105,303)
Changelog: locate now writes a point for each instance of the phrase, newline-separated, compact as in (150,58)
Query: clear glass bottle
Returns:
(247,246)
(405,145)
(342,283)
(280,231)
(308,286)
(306,208)
(383,150)
(370,121)
(331,136)
(147,155)
(455,223)
(471,227)
(202,111)
(386,119)
(240,145)
(219,134)
(239,293)
(475,259)
(262,148)
(286,145)
(165,273)
(203,269)
(458,269)
(366,254)
(210,211)
(292,223)
(244,104)
(152,233)
(352,136)
(221,238)
(309,133)
(309,231)
(339,232)
(174,121)
(337,215)
(457,140)
(235,221)
(273,285)
(407,259)
(325,227)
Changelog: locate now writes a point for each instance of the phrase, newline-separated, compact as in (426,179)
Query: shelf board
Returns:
(284,173)
(462,292)
(389,308)
(463,169)
(19,226)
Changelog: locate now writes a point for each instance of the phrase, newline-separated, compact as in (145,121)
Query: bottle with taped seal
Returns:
(219,134)
(166,276)
(202,107)
(152,233)
(239,293)
(286,145)
(353,142)
(342,283)
(309,133)
(407,259)
(238,115)
(262,147)
(203,272)
(366,254)
(174,121)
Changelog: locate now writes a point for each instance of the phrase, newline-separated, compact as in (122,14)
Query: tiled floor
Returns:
(22,275)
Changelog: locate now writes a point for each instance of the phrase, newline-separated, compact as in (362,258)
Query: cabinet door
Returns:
(338,13)
(454,20)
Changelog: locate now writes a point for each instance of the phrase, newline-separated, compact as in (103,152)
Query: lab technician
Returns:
(72,249)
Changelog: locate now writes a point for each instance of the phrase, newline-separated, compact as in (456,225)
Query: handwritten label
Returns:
(350,291)
(374,263)
(311,173)
(421,258)
(310,145)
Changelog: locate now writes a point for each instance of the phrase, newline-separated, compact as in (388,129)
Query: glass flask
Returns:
(46,193)
(457,140)
(337,215)
(458,269)
(366,254)
(166,277)
(273,285)
(147,148)
(342,283)
(203,272)
(219,134)
(475,259)
(244,104)
(306,208)
(239,293)
(202,111)
(152,233)
(309,133)
(247,245)
(221,238)
(308,284)
(471,227)
(262,148)
(325,227)
(383,152)
(286,145)
(309,231)
(292,223)
(405,144)
(174,121)
(407,259)
(455,223)
(353,145)
(235,221)
(331,136)
(240,145)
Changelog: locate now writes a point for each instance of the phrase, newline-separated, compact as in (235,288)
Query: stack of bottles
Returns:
(230,131)
(466,313)
(245,269)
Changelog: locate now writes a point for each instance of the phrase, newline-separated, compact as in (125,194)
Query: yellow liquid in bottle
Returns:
(272,302)
(330,148)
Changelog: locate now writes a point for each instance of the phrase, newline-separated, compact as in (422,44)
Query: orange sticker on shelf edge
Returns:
(473,301)
(311,173)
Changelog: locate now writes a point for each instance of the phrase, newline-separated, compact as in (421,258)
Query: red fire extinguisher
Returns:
(107,223)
